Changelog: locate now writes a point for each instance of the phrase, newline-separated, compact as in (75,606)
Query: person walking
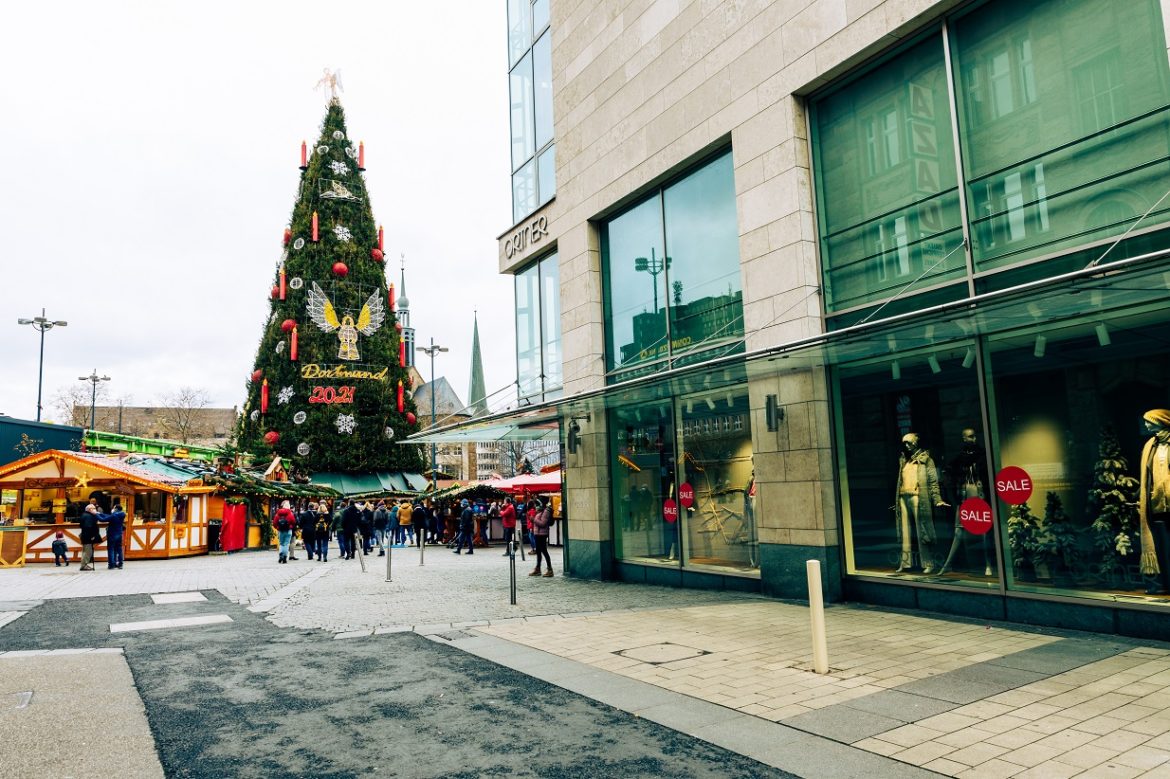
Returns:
(466,529)
(307,520)
(529,528)
(540,525)
(90,534)
(418,518)
(508,520)
(321,533)
(284,522)
(335,524)
(351,518)
(405,522)
(60,549)
(366,527)
(381,522)
(115,530)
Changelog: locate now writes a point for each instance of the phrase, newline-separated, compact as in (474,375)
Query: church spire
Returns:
(477,394)
(404,316)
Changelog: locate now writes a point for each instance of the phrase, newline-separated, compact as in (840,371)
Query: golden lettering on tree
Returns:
(314,371)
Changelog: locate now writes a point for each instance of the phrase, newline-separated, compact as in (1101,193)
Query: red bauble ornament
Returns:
(287,236)
(376,253)
(275,292)
(288,324)
(398,326)
(271,437)
(341,269)
(411,418)
(257,375)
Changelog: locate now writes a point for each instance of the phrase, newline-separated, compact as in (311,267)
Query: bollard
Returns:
(361,549)
(422,548)
(816,607)
(512,568)
(389,554)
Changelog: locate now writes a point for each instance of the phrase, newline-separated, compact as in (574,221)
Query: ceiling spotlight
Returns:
(896,371)
(934,366)
(969,358)
(730,400)
(1103,335)
(690,406)
(710,404)
(1035,310)
(892,342)
(1041,344)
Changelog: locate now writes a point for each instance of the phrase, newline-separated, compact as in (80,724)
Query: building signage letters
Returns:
(314,371)
(530,233)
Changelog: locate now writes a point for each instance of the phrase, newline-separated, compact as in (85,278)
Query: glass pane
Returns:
(642,445)
(635,286)
(889,216)
(550,310)
(542,85)
(524,191)
(539,15)
(702,243)
(546,165)
(912,451)
(520,93)
(519,28)
(1071,406)
(1063,123)
(528,332)
(716,444)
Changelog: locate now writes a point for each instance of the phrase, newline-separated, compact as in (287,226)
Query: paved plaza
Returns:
(907,694)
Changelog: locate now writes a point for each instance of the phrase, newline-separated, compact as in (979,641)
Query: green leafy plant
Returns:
(1023,538)
(1059,537)
(1112,506)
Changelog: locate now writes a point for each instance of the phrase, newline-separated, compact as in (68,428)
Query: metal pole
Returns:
(40,368)
(512,567)
(816,607)
(389,554)
(92,401)
(422,547)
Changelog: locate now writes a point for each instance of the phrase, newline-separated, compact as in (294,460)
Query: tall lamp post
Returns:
(431,351)
(41,324)
(654,265)
(94,379)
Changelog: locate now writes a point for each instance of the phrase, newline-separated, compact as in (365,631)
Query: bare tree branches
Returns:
(179,416)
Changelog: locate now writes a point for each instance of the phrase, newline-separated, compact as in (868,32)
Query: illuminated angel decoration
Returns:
(324,316)
(331,83)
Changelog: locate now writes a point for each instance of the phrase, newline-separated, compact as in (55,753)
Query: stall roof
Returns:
(372,483)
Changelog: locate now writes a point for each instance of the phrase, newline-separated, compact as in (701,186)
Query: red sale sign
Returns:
(686,495)
(1013,485)
(670,510)
(975,516)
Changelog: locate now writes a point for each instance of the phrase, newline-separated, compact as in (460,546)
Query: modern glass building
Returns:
(883,285)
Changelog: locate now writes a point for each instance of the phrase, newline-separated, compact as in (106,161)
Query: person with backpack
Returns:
(381,522)
(466,529)
(366,528)
(307,520)
(321,532)
(351,517)
(541,521)
(284,521)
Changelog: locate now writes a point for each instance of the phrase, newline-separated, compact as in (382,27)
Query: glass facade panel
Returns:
(520,93)
(550,311)
(642,470)
(715,438)
(528,331)
(539,15)
(1072,408)
(1063,123)
(911,449)
(546,173)
(887,183)
(524,191)
(519,28)
(702,241)
(542,89)
(635,286)
(673,289)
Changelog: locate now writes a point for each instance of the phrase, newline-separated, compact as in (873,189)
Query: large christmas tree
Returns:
(329,390)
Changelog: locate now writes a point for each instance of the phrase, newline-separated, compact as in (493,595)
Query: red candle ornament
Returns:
(402,354)
(264,397)
(292,349)
(315,236)
(341,269)
(304,155)
(362,154)
(391,295)
(381,239)
(287,236)
(401,401)
(283,288)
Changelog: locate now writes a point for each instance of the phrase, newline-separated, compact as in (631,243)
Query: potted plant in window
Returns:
(1113,509)
(1059,539)
(1023,531)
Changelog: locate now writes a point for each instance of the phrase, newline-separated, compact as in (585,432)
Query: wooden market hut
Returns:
(166,514)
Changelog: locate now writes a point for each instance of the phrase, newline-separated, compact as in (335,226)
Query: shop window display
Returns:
(909,456)
(643,468)
(1081,410)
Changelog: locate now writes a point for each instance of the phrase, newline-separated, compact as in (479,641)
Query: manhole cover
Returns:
(656,654)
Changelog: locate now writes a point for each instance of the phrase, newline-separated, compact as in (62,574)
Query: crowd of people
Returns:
(348,525)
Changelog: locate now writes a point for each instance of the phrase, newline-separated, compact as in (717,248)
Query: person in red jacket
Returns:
(508,520)
(284,521)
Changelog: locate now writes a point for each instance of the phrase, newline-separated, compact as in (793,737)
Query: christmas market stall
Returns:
(166,514)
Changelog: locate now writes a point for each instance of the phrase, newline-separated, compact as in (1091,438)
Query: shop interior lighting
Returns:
(896,370)
(892,342)
(969,358)
(1035,310)
(929,332)
(638,414)
(690,406)
(730,400)
(1041,344)
(1095,298)
(707,382)
(934,366)
(710,404)
(1103,335)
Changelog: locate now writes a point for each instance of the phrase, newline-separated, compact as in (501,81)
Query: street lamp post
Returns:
(653,266)
(93,378)
(431,351)
(41,324)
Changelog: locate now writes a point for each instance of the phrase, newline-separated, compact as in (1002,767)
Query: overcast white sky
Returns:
(151,153)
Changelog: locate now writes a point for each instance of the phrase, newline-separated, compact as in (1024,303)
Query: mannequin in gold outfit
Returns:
(1154,502)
